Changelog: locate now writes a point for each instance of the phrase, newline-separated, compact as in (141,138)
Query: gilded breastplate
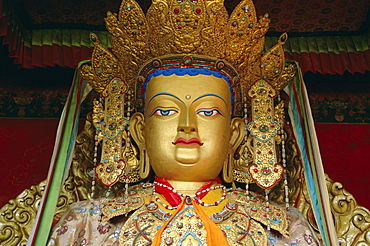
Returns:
(191,224)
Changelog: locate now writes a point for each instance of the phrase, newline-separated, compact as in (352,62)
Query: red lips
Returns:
(191,141)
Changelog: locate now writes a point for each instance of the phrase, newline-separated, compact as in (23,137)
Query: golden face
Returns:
(187,131)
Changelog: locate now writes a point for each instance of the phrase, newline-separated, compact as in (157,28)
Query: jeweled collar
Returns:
(174,198)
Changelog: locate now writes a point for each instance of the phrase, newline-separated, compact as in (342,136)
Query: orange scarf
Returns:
(214,234)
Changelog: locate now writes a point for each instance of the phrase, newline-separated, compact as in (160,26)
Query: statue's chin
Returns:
(187,156)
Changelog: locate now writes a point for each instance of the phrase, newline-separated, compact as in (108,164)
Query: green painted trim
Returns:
(323,44)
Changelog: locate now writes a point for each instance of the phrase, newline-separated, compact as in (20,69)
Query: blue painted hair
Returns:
(188,71)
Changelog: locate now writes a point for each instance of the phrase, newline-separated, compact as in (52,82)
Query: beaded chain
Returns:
(247,204)
(198,200)
(127,149)
(283,155)
(96,143)
(267,210)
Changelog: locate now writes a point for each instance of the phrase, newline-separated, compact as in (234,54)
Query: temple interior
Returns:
(41,43)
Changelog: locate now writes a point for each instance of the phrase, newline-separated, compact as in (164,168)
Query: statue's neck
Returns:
(186,187)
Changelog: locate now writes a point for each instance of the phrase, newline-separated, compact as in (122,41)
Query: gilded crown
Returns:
(197,27)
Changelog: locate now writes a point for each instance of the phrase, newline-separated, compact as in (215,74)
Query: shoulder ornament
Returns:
(277,215)
(138,195)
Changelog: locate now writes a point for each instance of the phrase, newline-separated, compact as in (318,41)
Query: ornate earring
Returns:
(144,168)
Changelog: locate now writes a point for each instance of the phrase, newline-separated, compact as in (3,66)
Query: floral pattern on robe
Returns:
(81,225)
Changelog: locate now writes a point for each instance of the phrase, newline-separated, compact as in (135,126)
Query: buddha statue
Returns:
(187,132)
(190,73)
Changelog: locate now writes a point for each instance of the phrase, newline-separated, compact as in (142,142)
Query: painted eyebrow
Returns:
(164,93)
(210,94)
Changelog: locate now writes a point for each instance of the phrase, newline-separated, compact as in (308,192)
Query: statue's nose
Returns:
(187,123)
(187,129)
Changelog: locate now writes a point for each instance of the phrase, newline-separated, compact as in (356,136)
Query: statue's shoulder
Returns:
(136,197)
(277,217)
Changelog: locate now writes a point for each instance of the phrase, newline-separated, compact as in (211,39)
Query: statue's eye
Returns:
(164,112)
(209,112)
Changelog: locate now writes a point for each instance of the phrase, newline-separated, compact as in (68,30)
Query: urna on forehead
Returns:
(181,65)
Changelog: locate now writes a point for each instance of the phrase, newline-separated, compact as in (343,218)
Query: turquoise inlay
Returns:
(181,212)
(192,234)
(276,221)
(189,214)
(265,137)
(112,135)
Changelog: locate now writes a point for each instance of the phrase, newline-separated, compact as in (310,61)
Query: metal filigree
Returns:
(185,27)
(111,127)
(352,222)
(272,65)
(264,170)
(17,216)
(103,68)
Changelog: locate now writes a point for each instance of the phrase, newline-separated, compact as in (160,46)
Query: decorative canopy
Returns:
(325,36)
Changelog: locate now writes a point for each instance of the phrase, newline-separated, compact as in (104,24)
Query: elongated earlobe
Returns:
(237,133)
(137,126)
(144,166)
